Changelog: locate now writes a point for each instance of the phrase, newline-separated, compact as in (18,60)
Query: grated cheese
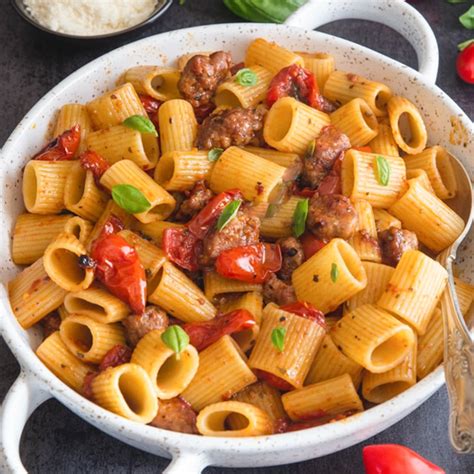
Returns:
(89,17)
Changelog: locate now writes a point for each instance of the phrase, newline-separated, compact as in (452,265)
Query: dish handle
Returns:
(188,462)
(24,396)
(396,14)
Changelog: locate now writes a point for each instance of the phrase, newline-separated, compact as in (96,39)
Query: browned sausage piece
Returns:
(328,146)
(195,201)
(292,257)
(242,230)
(277,291)
(201,76)
(330,216)
(395,242)
(230,127)
(175,414)
(137,325)
(50,323)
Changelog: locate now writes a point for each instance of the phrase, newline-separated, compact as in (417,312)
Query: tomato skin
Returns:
(61,148)
(250,263)
(118,355)
(307,311)
(311,244)
(151,106)
(182,248)
(202,335)
(465,64)
(92,161)
(119,268)
(273,380)
(396,459)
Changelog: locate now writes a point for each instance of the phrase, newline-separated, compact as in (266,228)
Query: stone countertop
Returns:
(31,63)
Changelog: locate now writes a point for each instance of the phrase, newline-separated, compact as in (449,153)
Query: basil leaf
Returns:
(130,199)
(246,77)
(278,338)
(382,169)
(462,46)
(334,273)
(278,10)
(243,9)
(467,19)
(176,338)
(229,212)
(140,123)
(299,217)
(271,210)
(214,154)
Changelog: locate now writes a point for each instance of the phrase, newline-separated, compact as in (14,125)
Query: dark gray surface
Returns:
(31,63)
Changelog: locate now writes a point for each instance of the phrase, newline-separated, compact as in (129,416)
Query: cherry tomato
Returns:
(295,81)
(119,268)
(151,106)
(251,263)
(61,148)
(118,355)
(311,244)
(273,380)
(396,459)
(182,248)
(202,335)
(92,161)
(201,223)
(465,64)
(307,311)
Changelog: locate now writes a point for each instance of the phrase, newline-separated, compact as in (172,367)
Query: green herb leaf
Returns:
(382,169)
(456,1)
(140,123)
(299,217)
(274,11)
(462,46)
(271,210)
(246,77)
(214,154)
(467,19)
(278,337)
(130,199)
(334,273)
(176,338)
(229,212)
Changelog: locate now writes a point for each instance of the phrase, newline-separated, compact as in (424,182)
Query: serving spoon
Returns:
(458,341)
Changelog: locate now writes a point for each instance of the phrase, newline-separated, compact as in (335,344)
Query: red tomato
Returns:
(251,263)
(294,81)
(62,147)
(273,380)
(465,64)
(92,161)
(151,106)
(119,268)
(87,384)
(396,459)
(182,248)
(200,224)
(306,310)
(202,335)
(311,244)
(118,355)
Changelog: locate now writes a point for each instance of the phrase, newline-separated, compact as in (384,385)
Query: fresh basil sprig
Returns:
(140,123)
(130,199)
(334,272)
(272,11)
(229,212)
(278,338)
(246,77)
(299,217)
(382,169)
(176,338)
(214,154)
(467,19)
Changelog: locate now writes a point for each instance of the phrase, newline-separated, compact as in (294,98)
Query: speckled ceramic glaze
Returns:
(446,123)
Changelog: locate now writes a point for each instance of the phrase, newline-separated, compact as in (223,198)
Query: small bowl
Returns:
(160,8)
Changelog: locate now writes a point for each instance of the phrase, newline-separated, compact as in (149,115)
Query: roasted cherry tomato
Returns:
(311,244)
(151,106)
(62,147)
(465,64)
(295,81)
(92,161)
(119,268)
(306,310)
(182,248)
(200,224)
(202,335)
(396,459)
(118,355)
(273,380)
(251,263)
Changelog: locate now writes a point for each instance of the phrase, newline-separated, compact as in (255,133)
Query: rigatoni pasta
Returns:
(158,82)
(71,115)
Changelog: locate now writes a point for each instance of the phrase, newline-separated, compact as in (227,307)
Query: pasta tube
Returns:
(320,64)
(430,346)
(158,82)
(420,176)
(384,220)
(154,230)
(384,143)
(365,240)
(71,115)
(279,223)
(217,285)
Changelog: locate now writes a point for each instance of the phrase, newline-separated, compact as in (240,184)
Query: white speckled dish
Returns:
(447,125)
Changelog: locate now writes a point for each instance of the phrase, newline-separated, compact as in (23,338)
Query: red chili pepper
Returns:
(396,459)
(200,224)
(465,64)
(118,355)
(311,244)
(202,335)
(295,81)
(273,380)
(251,263)
(61,148)
(119,268)
(182,248)
(306,310)
(92,161)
